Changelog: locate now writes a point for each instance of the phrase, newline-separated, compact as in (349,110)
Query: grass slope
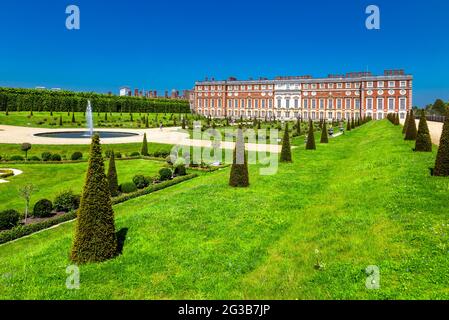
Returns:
(52,178)
(364,199)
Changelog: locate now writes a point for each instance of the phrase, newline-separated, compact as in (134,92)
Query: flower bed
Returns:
(25,230)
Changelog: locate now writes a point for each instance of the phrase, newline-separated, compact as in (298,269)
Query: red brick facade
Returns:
(335,97)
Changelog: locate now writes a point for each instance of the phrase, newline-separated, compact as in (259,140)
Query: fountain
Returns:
(89,133)
(89,120)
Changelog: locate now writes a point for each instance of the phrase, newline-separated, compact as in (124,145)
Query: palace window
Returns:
(348,104)
(330,103)
(403,103)
(330,85)
(391,104)
(236,103)
(263,103)
(279,103)
(380,84)
(306,103)
(391,84)
(296,103)
(380,103)
(287,103)
(313,103)
(256,104)
(348,85)
(369,84)
(339,85)
(339,103)
(403,84)
(270,103)
(369,103)
(321,103)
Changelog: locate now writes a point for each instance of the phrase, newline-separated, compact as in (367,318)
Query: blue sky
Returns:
(170,44)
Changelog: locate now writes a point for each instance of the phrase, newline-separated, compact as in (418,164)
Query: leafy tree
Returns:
(26,192)
(286,154)
(95,238)
(442,161)
(411,132)
(25,148)
(144,151)
(324,136)
(311,137)
(423,140)
(112,176)
(439,107)
(239,171)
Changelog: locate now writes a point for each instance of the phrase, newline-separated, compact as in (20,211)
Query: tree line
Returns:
(12,99)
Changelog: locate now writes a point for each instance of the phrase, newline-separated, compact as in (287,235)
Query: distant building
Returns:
(352,95)
(125,91)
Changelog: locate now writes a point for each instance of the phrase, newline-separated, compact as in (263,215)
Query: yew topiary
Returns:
(442,161)
(112,176)
(423,140)
(324,136)
(95,238)
(239,171)
(411,132)
(311,137)
(286,153)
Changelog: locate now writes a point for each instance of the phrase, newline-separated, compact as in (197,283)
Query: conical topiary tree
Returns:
(411,132)
(396,120)
(95,238)
(442,162)
(352,123)
(286,153)
(112,176)
(311,137)
(348,125)
(324,137)
(239,170)
(298,126)
(404,129)
(144,150)
(423,140)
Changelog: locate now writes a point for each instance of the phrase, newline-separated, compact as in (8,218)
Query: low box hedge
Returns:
(6,174)
(22,231)
(152,188)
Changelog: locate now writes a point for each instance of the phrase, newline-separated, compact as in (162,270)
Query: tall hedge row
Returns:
(12,99)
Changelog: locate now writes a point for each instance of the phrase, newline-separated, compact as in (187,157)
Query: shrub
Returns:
(9,219)
(239,171)
(108,153)
(56,157)
(411,132)
(35,158)
(43,209)
(286,153)
(311,137)
(66,201)
(165,174)
(135,154)
(95,238)
(324,137)
(128,187)
(180,167)
(423,140)
(144,150)
(76,156)
(46,156)
(442,161)
(112,177)
(141,182)
(169,160)
(16,158)
(118,155)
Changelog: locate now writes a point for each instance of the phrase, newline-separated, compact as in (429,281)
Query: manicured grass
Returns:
(50,179)
(8,150)
(116,120)
(363,199)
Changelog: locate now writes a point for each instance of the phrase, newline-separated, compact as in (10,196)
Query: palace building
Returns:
(286,98)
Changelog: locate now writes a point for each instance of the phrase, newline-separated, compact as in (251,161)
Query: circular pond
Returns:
(85,135)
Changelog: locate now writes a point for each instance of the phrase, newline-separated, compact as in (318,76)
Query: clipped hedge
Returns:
(152,188)
(22,231)
(6,174)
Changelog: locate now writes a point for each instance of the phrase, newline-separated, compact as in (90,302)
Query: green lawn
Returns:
(116,120)
(49,179)
(364,199)
(8,150)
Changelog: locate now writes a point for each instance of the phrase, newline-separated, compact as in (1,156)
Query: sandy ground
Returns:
(16,173)
(435,129)
(175,136)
